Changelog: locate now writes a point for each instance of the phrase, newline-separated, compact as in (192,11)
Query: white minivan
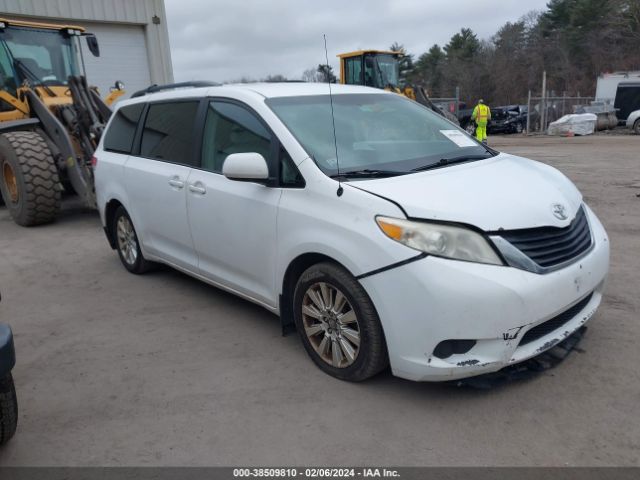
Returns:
(383,232)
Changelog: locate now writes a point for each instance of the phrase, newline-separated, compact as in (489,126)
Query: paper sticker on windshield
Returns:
(459,138)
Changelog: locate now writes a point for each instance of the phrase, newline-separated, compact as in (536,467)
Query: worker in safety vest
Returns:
(481,115)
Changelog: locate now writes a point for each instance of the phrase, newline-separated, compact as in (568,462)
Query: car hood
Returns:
(503,192)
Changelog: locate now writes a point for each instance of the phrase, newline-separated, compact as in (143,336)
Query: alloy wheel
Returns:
(127,240)
(331,325)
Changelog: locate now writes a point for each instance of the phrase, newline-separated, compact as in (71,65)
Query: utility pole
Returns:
(543,103)
(528,111)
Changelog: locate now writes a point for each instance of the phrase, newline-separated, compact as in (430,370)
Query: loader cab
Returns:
(40,55)
(371,68)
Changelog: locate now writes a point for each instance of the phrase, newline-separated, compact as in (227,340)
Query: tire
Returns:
(636,127)
(29,180)
(330,341)
(127,243)
(519,127)
(8,409)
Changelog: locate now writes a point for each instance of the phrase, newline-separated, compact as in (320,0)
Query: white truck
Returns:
(607,84)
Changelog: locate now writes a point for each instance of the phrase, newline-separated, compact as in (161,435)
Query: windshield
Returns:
(39,56)
(373,131)
(380,71)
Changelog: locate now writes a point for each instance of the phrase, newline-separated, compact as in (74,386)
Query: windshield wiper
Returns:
(37,82)
(372,173)
(449,161)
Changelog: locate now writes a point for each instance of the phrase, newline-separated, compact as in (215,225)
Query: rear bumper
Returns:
(432,300)
(7,350)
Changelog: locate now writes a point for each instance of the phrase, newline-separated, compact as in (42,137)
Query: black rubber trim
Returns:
(392,266)
(379,196)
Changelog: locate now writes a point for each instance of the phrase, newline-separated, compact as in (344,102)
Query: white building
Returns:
(132,34)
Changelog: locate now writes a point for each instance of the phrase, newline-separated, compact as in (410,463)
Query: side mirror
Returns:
(247,167)
(92,43)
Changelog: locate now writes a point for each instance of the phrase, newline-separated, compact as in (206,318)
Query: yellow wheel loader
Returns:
(381,69)
(50,119)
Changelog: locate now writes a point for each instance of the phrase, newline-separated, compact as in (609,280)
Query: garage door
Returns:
(123,56)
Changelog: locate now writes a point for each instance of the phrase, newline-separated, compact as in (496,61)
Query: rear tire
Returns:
(636,127)
(8,409)
(29,180)
(338,324)
(127,243)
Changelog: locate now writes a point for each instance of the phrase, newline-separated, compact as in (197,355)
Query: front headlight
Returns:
(441,240)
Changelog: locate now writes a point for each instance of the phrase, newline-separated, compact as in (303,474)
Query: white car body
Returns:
(248,246)
(633,118)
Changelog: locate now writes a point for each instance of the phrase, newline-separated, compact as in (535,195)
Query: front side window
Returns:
(372,131)
(230,128)
(353,71)
(119,136)
(168,132)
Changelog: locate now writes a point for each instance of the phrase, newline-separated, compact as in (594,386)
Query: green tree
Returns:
(463,45)
(325,74)
(406,62)
(429,70)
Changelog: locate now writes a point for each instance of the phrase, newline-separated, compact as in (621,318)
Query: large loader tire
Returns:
(29,180)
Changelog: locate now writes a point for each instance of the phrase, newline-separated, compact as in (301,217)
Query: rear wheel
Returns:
(636,127)
(127,243)
(338,323)
(29,181)
(8,409)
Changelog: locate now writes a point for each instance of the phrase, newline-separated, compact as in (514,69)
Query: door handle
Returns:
(197,188)
(175,182)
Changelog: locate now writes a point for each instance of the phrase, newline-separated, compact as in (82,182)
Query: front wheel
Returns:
(338,324)
(29,181)
(127,243)
(636,127)
(8,409)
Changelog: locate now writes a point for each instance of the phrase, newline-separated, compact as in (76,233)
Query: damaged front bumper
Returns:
(528,368)
(507,314)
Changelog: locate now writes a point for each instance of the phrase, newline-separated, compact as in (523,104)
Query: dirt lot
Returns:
(115,369)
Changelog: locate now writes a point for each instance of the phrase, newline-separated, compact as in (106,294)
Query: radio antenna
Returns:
(333,119)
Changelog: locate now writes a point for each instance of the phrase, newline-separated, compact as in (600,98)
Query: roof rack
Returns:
(170,86)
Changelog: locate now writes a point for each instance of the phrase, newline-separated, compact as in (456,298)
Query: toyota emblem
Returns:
(559,211)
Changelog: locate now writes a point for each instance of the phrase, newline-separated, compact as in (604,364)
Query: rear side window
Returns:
(168,132)
(119,137)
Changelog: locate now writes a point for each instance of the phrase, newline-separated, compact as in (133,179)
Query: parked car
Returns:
(633,122)
(8,399)
(509,119)
(392,238)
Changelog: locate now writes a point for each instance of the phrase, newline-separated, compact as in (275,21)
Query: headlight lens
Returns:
(441,240)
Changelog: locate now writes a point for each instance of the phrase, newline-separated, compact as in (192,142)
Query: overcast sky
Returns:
(223,40)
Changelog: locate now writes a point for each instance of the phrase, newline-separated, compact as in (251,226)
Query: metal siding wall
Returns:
(121,11)
(126,11)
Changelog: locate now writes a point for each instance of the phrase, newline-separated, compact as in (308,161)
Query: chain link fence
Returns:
(543,110)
